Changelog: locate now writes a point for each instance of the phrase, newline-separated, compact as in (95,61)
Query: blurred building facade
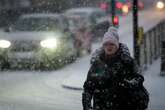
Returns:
(11,9)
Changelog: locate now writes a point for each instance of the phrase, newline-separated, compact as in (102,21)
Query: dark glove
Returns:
(128,83)
(86,101)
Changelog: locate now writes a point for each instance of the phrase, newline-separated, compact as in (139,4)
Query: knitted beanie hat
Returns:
(111,36)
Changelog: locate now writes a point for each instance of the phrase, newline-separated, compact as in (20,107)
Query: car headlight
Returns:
(4,44)
(49,43)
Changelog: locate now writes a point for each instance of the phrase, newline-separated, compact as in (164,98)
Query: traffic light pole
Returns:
(135,32)
(113,10)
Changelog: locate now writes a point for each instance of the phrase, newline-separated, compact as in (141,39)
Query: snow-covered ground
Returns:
(156,86)
(35,90)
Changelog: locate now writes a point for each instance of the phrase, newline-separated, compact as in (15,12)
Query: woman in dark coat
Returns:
(113,78)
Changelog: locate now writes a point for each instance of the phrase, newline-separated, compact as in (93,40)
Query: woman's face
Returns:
(110,48)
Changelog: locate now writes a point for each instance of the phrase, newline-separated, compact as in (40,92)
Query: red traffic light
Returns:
(115,20)
(119,5)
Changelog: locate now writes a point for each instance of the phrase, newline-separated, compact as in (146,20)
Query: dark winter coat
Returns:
(111,83)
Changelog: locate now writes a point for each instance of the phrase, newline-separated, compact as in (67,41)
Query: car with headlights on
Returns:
(37,41)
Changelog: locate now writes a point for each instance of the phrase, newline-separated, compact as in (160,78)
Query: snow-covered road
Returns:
(35,90)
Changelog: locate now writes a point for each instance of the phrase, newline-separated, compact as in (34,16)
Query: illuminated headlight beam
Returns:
(49,43)
(4,44)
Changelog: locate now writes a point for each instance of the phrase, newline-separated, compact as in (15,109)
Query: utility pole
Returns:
(113,10)
(135,32)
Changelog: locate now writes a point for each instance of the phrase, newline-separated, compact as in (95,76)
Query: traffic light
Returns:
(119,5)
(115,21)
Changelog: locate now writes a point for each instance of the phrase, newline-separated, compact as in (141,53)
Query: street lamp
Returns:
(160,5)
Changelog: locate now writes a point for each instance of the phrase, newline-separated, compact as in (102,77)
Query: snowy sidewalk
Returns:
(156,86)
(76,80)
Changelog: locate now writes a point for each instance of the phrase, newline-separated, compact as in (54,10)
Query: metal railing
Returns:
(150,47)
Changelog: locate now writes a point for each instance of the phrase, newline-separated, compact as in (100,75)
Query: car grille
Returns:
(24,46)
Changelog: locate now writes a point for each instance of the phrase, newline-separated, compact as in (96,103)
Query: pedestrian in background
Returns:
(83,39)
(114,81)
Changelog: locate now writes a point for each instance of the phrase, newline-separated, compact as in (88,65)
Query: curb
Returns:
(72,88)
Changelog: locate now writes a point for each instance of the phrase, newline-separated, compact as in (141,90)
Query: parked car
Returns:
(37,41)
(94,18)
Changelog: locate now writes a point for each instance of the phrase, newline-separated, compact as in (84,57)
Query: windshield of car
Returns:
(36,24)
(75,21)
